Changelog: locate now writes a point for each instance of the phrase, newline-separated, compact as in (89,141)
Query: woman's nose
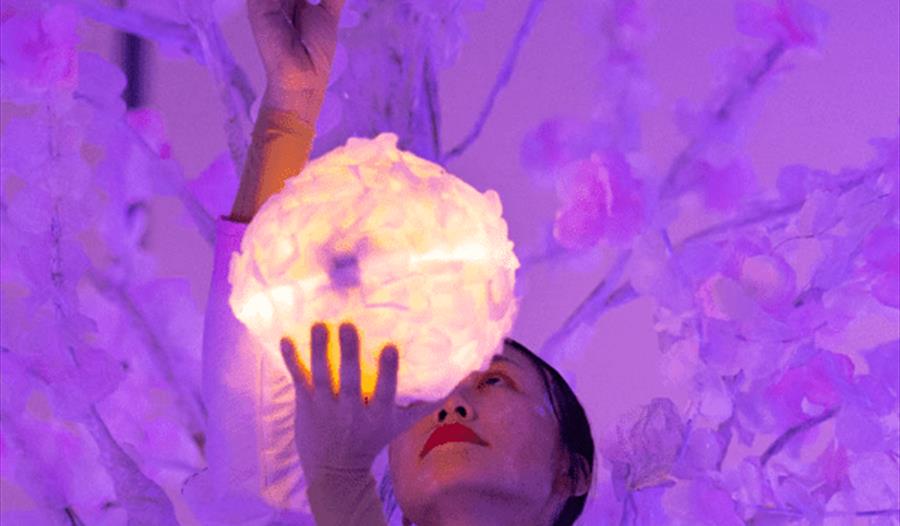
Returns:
(455,408)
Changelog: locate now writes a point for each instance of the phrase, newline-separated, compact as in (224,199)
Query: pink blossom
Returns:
(722,188)
(794,22)
(40,49)
(769,279)
(553,144)
(822,381)
(749,274)
(148,123)
(831,467)
(722,298)
(542,148)
(600,200)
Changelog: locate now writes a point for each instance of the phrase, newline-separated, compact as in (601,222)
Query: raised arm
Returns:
(253,473)
(296,42)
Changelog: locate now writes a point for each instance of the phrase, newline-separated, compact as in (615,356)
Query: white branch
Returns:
(202,39)
(502,79)
(603,297)
(589,310)
(233,87)
(742,91)
(144,25)
(189,401)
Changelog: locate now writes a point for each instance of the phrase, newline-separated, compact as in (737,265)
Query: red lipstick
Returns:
(451,433)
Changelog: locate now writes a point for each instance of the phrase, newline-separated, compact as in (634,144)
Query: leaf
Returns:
(645,445)
(143,500)
(701,453)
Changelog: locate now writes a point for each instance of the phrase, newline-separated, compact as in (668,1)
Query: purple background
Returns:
(821,113)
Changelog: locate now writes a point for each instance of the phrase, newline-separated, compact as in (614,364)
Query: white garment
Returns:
(253,475)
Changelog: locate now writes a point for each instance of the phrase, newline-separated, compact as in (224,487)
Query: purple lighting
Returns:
(704,198)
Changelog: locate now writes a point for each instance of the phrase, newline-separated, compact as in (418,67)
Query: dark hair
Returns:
(574,434)
(574,430)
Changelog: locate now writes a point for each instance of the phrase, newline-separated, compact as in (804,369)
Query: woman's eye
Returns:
(493,380)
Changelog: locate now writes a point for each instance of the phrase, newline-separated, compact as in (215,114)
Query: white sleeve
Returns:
(253,473)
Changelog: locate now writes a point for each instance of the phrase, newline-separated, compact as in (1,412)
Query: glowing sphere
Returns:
(393,243)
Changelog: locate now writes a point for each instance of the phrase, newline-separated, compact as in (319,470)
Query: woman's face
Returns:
(507,406)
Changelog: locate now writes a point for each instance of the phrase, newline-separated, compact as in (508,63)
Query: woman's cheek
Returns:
(527,432)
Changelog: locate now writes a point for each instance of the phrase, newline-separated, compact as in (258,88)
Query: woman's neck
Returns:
(472,508)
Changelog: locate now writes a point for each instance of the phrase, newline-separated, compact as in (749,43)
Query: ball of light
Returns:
(393,243)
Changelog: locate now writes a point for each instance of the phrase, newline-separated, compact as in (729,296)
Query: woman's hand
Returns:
(296,41)
(340,434)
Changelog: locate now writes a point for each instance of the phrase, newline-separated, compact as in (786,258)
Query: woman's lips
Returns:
(451,433)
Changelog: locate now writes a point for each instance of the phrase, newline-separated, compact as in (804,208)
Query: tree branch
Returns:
(670,187)
(534,7)
(74,519)
(434,107)
(143,499)
(772,210)
(173,177)
(837,513)
(202,39)
(601,299)
(792,432)
(189,401)
(233,87)
(596,303)
(144,25)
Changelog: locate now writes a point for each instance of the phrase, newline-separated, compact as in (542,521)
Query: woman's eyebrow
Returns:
(504,359)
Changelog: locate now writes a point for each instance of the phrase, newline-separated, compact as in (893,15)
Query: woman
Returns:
(510,445)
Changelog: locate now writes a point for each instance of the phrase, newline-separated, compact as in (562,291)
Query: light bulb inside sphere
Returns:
(392,243)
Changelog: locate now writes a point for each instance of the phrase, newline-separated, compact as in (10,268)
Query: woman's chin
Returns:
(455,462)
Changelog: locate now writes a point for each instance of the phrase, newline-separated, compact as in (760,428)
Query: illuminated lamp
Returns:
(392,243)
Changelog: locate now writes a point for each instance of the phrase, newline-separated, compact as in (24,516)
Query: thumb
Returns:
(292,361)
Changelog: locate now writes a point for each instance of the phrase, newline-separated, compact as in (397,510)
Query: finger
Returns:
(268,18)
(386,384)
(321,371)
(298,372)
(317,28)
(273,29)
(350,375)
(334,7)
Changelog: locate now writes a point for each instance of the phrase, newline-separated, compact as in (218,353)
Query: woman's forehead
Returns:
(516,359)
(530,370)
(512,356)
